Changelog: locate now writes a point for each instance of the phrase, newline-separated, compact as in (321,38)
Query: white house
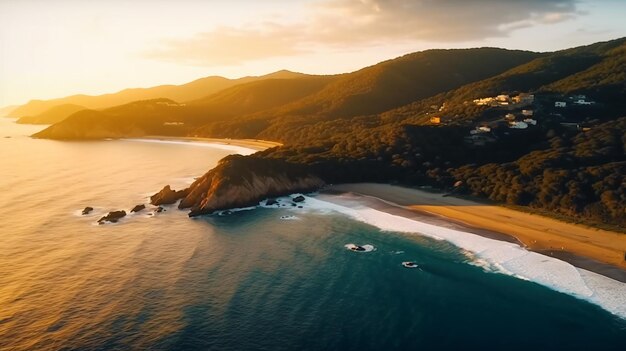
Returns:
(582,102)
(480,130)
(560,104)
(503,98)
(518,125)
(530,121)
(484,101)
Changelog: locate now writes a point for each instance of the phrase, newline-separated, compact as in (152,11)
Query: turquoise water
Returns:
(246,281)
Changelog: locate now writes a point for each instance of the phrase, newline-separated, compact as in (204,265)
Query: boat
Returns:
(409,264)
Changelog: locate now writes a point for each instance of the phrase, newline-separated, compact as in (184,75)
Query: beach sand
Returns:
(254,144)
(593,249)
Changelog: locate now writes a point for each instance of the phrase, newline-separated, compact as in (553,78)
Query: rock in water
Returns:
(159,209)
(167,196)
(112,217)
(271,202)
(138,208)
(298,198)
(87,210)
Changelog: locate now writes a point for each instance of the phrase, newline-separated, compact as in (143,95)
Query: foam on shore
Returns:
(241,150)
(502,257)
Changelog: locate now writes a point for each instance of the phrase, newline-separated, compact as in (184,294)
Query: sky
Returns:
(55,48)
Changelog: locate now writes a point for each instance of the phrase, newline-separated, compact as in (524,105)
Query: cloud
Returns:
(438,20)
(229,46)
(359,23)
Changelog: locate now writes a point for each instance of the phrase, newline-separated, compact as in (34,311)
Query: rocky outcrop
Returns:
(298,198)
(138,208)
(167,196)
(240,181)
(112,217)
(87,210)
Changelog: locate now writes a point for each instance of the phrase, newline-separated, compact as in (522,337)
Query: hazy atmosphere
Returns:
(56,48)
(313,175)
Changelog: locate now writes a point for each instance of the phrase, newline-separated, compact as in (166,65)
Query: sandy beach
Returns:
(594,249)
(255,144)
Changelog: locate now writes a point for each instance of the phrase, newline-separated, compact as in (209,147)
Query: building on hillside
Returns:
(528,113)
(503,98)
(560,104)
(435,120)
(480,130)
(530,121)
(484,101)
(524,99)
(583,102)
(509,117)
(518,125)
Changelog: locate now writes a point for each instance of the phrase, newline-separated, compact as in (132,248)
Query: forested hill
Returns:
(405,79)
(562,150)
(247,109)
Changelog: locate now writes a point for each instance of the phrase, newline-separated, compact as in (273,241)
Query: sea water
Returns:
(278,278)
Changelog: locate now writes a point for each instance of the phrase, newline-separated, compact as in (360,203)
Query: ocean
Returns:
(257,279)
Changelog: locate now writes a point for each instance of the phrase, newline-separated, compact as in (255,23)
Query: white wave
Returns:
(499,256)
(289,218)
(364,248)
(212,144)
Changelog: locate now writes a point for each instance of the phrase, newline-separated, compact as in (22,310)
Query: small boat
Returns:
(409,264)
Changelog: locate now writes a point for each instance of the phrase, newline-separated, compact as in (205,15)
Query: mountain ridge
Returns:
(195,89)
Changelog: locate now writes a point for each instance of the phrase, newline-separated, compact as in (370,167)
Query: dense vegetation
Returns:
(373,125)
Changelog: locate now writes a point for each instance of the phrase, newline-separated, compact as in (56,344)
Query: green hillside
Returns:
(374,125)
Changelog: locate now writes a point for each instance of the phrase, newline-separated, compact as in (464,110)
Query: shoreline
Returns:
(252,144)
(585,248)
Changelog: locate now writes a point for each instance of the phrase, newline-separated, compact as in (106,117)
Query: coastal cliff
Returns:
(239,181)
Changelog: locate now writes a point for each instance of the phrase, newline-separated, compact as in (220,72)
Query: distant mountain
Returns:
(6,111)
(167,117)
(248,109)
(181,93)
(156,116)
(54,115)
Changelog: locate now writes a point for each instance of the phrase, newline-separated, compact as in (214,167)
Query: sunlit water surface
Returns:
(247,281)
